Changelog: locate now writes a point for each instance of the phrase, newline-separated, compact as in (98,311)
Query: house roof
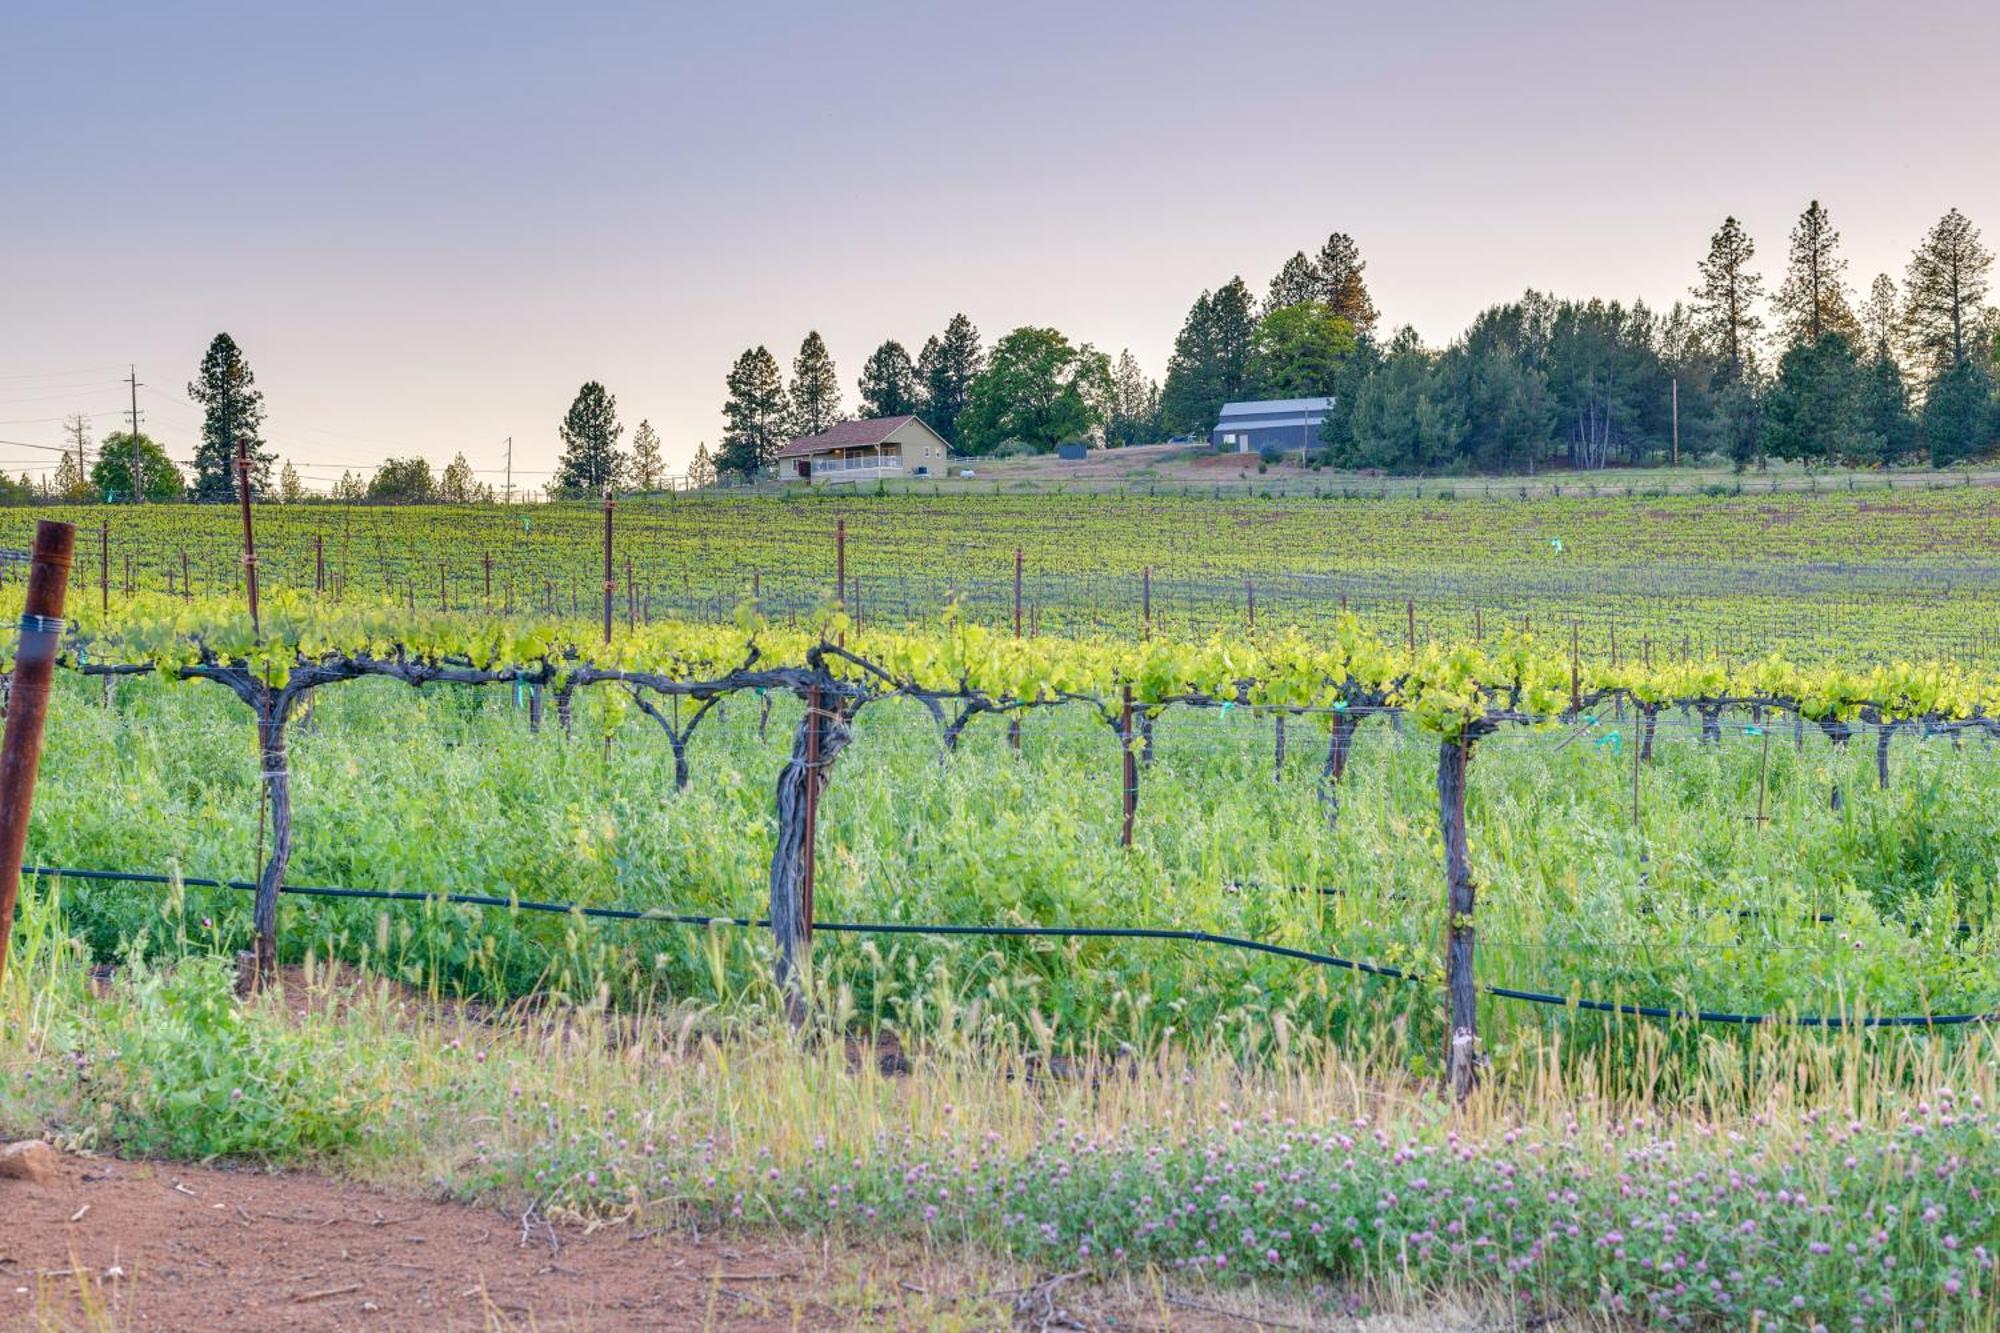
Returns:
(846,435)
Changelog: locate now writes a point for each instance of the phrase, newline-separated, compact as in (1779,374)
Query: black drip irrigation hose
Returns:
(1829,1021)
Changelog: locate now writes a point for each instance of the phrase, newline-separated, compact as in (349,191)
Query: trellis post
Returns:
(41,627)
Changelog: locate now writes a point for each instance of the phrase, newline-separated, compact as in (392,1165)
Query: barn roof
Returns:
(1275,412)
(846,435)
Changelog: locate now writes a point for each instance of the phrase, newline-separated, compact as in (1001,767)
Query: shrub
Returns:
(186,1071)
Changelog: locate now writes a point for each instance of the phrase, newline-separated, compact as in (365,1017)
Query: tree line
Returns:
(1905,372)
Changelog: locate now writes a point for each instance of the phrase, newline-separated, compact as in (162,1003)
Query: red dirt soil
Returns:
(161,1245)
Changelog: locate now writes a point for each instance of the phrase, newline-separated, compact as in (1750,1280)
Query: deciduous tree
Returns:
(1032,390)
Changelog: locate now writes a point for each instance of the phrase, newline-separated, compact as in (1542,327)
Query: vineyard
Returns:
(1571,861)
(1850,576)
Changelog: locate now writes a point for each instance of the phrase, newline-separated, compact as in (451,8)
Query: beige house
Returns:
(864,451)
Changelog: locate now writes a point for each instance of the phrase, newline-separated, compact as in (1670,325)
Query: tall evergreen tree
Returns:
(1881,318)
(1884,406)
(946,368)
(1944,294)
(1725,300)
(1210,361)
(757,415)
(815,387)
(1342,286)
(1813,411)
(647,470)
(889,382)
(701,468)
(1135,404)
(1299,280)
(1960,420)
(232,414)
(1812,300)
(590,460)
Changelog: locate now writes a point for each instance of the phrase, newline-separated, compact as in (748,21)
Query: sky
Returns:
(428,224)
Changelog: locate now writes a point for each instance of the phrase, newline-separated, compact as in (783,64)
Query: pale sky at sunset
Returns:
(426,228)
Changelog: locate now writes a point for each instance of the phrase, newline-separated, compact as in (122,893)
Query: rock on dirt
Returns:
(30,1160)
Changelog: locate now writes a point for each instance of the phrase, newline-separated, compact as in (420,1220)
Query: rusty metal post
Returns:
(444,590)
(104,568)
(840,562)
(487,561)
(187,581)
(319,562)
(27,709)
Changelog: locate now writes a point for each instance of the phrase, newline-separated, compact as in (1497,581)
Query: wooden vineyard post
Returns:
(1462,1000)
(487,561)
(444,589)
(249,535)
(610,579)
(1129,769)
(1410,615)
(1146,600)
(631,597)
(1014,722)
(104,568)
(41,626)
(187,585)
(840,562)
(319,562)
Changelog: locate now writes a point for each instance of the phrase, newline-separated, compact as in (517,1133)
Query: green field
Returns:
(1271,1117)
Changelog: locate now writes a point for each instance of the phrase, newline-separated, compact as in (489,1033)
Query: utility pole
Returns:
(1677,421)
(137,470)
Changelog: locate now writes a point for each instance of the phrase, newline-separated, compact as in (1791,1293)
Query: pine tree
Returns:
(1299,280)
(701,468)
(232,416)
(1944,294)
(1881,317)
(590,462)
(946,368)
(1812,301)
(69,483)
(1725,299)
(757,414)
(1134,417)
(1885,407)
(1959,418)
(1210,360)
(1813,411)
(888,382)
(815,388)
(647,470)
(1341,285)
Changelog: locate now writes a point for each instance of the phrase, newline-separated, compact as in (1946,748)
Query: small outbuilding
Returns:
(865,451)
(1073,451)
(1287,423)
